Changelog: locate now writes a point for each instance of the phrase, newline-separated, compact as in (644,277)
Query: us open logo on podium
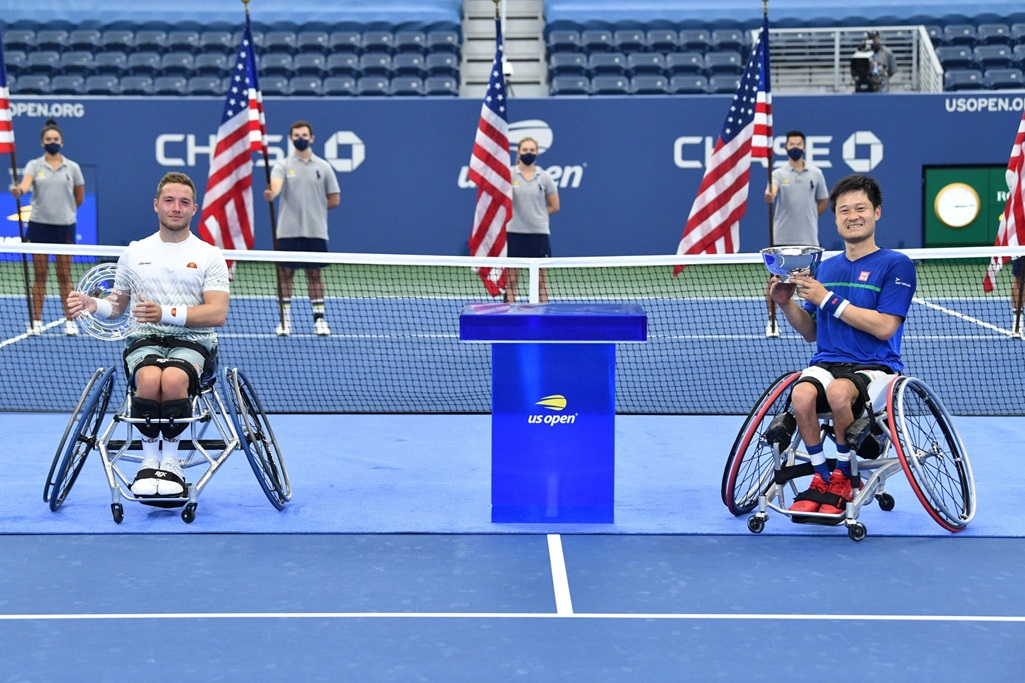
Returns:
(556,403)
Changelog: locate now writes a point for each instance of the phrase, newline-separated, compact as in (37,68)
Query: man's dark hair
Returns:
(796,134)
(300,124)
(853,183)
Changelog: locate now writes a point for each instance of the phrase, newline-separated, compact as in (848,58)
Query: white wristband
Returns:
(841,308)
(173,315)
(825,299)
(103,309)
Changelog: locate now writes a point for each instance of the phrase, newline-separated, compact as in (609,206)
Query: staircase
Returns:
(526,70)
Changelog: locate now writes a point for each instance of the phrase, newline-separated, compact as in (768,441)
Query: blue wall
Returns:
(630,166)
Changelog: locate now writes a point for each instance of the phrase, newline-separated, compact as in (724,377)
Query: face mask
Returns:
(52,148)
(795,154)
(301,144)
(528,158)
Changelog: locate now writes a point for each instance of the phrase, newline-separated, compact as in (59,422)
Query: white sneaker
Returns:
(36,328)
(171,486)
(283,330)
(771,329)
(147,486)
(71,328)
(321,328)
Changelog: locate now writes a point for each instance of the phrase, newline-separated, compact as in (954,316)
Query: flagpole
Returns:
(1019,284)
(772,204)
(21,234)
(270,205)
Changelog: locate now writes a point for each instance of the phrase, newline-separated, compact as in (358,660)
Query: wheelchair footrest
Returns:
(164,501)
(835,520)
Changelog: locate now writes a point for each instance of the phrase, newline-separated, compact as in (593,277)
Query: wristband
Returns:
(834,304)
(103,309)
(173,315)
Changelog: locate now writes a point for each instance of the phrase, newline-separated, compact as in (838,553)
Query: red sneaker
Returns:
(817,484)
(841,486)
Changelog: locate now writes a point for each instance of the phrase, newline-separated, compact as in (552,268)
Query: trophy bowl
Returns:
(787,261)
(117,285)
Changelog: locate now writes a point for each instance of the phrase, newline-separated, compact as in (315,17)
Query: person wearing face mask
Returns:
(801,196)
(308,188)
(535,199)
(58,189)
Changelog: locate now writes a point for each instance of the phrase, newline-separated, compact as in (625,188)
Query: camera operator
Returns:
(872,65)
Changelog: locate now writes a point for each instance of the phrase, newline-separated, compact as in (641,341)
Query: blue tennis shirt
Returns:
(883,281)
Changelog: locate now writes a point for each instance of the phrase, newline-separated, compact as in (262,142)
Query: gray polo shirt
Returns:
(303,208)
(796,220)
(53,191)
(530,202)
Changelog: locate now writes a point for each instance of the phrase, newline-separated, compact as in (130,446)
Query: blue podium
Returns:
(553,405)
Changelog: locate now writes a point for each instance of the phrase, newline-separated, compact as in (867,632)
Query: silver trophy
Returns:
(121,288)
(787,261)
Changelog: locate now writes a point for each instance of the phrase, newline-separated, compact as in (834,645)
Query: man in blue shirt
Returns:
(854,308)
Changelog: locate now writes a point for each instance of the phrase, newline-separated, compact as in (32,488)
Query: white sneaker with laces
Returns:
(168,486)
(36,328)
(321,328)
(283,330)
(71,328)
(771,329)
(148,485)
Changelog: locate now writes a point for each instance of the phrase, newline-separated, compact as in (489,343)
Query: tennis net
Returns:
(394,344)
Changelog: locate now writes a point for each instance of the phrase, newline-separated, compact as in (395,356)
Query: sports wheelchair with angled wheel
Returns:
(214,431)
(904,427)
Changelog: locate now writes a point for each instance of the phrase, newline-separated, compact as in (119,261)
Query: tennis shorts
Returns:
(44,233)
(195,353)
(302,244)
(871,381)
(528,245)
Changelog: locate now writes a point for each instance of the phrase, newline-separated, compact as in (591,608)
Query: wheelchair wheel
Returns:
(79,437)
(749,468)
(931,453)
(257,439)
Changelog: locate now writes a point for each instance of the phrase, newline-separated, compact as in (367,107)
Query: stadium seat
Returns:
(993,56)
(649,84)
(723,83)
(312,41)
(564,40)
(170,85)
(381,42)
(276,63)
(688,84)
(279,41)
(697,40)
(309,64)
(217,42)
(337,86)
(678,63)
(143,64)
(407,86)
(103,84)
(441,86)
(410,41)
(42,63)
(149,40)
(443,41)
(607,64)
(177,64)
(662,40)
(49,39)
(960,34)
(610,85)
(77,62)
(182,41)
(32,84)
(408,64)
(117,39)
(1004,79)
(993,34)
(136,85)
(442,64)
(274,85)
(724,63)
(344,41)
(963,79)
(211,64)
(955,57)
(729,40)
(14,59)
(67,85)
(205,86)
(84,39)
(375,64)
(935,33)
(570,85)
(305,86)
(110,63)
(597,40)
(629,40)
(19,39)
(646,63)
(373,86)
(1018,33)
(568,64)
(342,64)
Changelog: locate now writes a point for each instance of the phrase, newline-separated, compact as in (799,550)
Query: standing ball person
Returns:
(535,198)
(58,189)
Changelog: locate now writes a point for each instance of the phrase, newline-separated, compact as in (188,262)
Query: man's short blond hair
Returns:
(178,179)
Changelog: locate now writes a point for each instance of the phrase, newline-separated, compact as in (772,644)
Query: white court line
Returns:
(518,615)
(962,316)
(560,580)
(26,335)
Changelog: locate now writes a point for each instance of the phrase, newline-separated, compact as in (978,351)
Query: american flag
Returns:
(489,170)
(713,226)
(1012,224)
(227,217)
(6,127)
